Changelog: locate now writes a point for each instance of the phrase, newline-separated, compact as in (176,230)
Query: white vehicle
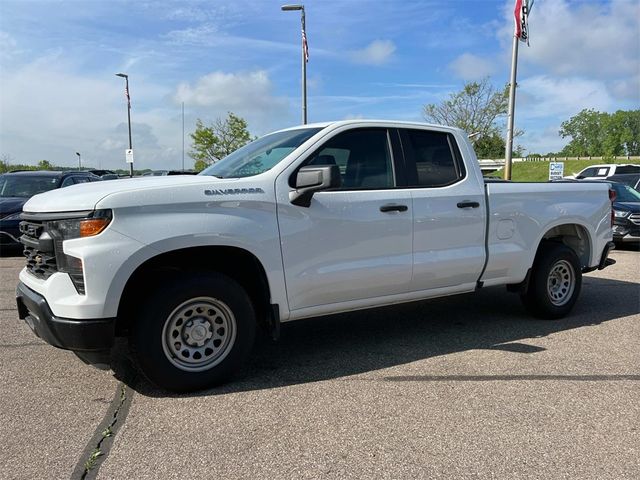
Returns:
(600,172)
(308,221)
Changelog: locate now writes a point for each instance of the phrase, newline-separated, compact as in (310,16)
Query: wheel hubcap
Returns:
(199,334)
(561,283)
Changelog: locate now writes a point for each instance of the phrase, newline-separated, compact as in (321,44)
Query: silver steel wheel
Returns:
(199,334)
(561,283)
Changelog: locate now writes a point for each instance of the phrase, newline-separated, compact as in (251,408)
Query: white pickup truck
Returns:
(308,221)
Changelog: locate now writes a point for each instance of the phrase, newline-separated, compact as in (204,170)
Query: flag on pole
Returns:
(521,17)
(305,47)
(126,94)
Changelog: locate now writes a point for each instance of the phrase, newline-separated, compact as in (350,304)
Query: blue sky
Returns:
(368,59)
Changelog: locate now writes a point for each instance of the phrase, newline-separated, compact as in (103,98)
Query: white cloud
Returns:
(55,112)
(246,94)
(8,46)
(472,67)
(377,52)
(543,96)
(581,38)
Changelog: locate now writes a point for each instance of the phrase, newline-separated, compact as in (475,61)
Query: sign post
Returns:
(128,153)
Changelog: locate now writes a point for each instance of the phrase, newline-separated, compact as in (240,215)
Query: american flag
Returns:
(126,94)
(305,47)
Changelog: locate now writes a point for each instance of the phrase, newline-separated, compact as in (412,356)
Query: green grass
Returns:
(539,171)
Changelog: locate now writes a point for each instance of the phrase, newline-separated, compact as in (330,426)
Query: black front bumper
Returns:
(77,335)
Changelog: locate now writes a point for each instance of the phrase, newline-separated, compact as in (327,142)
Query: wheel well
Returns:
(573,236)
(236,263)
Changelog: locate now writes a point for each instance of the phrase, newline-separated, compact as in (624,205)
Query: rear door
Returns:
(448,212)
(355,242)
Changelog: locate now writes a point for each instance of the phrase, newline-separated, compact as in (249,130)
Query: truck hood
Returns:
(85,196)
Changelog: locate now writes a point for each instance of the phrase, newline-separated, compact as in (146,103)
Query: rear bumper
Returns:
(77,335)
(605,261)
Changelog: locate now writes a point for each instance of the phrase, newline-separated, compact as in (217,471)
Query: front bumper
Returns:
(77,335)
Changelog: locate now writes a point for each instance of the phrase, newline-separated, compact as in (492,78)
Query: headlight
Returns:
(621,213)
(88,226)
(12,216)
(61,230)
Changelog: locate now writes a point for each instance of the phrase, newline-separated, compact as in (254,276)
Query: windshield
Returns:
(260,155)
(25,186)
(625,194)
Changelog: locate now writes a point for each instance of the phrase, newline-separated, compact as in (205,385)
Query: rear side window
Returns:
(435,156)
(628,169)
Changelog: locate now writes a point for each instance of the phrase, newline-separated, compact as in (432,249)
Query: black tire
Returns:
(556,279)
(194,331)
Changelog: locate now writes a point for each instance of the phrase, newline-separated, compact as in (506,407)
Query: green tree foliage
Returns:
(216,141)
(604,134)
(45,165)
(475,109)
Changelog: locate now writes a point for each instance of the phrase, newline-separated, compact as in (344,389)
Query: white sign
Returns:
(556,170)
(129,155)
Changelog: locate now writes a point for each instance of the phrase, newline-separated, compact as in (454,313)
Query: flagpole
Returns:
(183,136)
(304,72)
(511,112)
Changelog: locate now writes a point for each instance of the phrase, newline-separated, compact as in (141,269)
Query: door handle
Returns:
(468,204)
(392,207)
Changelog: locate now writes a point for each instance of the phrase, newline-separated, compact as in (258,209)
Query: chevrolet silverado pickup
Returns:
(308,221)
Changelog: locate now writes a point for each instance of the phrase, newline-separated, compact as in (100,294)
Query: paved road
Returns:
(463,387)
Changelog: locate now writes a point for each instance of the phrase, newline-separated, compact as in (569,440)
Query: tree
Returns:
(598,134)
(475,109)
(216,141)
(45,165)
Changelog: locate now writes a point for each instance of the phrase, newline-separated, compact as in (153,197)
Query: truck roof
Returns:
(365,121)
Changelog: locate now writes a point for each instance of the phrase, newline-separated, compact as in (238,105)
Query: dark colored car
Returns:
(626,208)
(18,187)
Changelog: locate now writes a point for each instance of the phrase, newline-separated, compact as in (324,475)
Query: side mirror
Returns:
(312,179)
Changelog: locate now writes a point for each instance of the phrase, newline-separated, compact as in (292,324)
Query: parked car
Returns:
(626,208)
(630,179)
(600,172)
(18,187)
(305,222)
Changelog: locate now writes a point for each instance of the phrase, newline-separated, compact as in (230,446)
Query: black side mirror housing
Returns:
(312,179)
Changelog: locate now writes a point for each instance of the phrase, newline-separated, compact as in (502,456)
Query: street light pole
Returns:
(79,161)
(305,57)
(126,91)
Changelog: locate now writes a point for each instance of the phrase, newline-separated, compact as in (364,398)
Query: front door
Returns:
(355,242)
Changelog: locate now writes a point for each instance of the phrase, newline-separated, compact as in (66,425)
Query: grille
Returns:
(40,264)
(635,218)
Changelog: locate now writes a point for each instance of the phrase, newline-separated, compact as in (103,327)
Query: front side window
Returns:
(434,154)
(260,155)
(363,156)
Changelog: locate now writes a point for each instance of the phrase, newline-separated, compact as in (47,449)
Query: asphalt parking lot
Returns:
(461,387)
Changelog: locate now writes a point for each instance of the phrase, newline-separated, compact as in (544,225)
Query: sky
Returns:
(367,59)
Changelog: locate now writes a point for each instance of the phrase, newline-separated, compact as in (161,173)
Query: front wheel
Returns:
(556,279)
(193,332)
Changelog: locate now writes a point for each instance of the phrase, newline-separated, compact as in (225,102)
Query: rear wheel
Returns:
(555,282)
(194,332)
